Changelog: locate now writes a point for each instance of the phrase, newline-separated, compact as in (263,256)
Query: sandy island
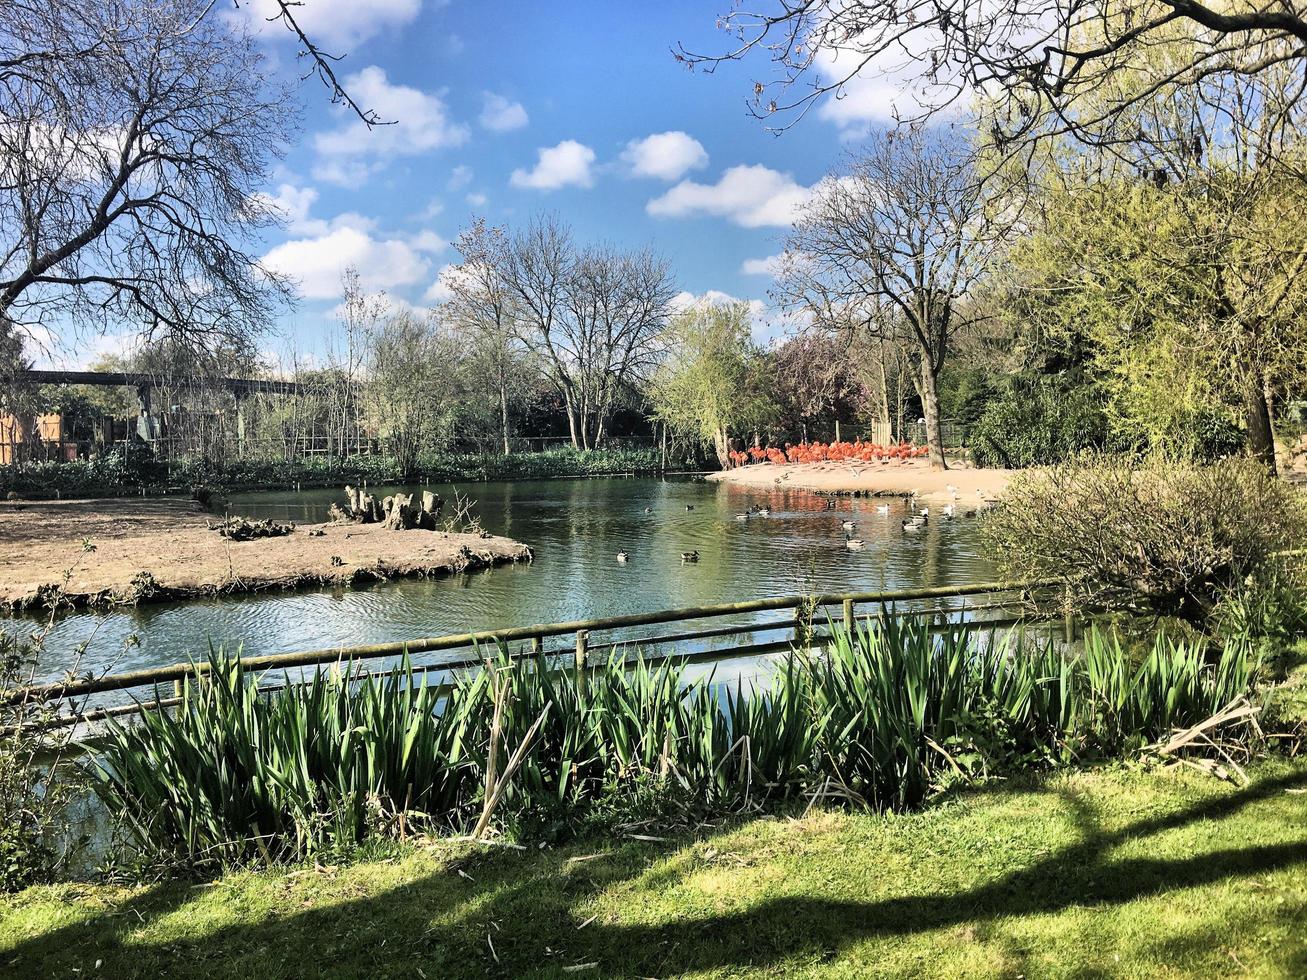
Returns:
(162,549)
(893,479)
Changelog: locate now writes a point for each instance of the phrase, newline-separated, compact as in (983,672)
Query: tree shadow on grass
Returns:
(514,915)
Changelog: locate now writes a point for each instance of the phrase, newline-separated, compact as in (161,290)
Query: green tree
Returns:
(715,382)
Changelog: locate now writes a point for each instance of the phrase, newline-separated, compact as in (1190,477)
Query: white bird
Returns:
(764,512)
(925,514)
(623,557)
(951,488)
(741,517)
(853,544)
(882,509)
(911,526)
(948,511)
(849,526)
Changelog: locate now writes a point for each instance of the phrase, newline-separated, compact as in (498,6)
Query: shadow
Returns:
(505,913)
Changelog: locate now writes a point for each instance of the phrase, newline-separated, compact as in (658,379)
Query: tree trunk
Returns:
(1261,436)
(886,415)
(722,445)
(503,413)
(930,408)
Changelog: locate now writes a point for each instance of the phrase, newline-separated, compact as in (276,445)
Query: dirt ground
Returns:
(891,479)
(102,552)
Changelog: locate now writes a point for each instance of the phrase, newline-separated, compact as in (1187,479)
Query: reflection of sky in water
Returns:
(576,527)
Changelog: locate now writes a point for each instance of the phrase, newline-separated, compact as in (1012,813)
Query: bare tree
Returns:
(891,247)
(360,314)
(128,172)
(593,318)
(411,388)
(481,306)
(618,305)
(1033,59)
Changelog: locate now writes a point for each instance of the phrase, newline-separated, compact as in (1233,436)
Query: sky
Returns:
(511,109)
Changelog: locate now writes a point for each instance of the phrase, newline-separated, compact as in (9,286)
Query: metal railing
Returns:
(803,621)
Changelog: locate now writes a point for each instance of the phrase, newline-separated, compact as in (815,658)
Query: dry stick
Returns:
(499,690)
(513,763)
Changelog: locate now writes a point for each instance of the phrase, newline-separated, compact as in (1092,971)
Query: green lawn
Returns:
(1104,873)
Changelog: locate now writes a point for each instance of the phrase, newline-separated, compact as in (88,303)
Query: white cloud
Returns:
(340,24)
(765,323)
(316,263)
(428,241)
(439,291)
(751,196)
(762,267)
(567,164)
(477,200)
(342,173)
(422,123)
(294,204)
(666,156)
(459,177)
(888,88)
(500,115)
(50,350)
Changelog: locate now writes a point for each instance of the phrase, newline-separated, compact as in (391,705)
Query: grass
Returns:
(1116,872)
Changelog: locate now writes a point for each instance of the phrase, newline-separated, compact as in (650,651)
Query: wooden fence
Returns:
(804,621)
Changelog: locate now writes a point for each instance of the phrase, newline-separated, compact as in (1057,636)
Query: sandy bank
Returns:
(873,479)
(104,552)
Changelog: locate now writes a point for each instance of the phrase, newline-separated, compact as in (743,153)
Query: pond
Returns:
(576,528)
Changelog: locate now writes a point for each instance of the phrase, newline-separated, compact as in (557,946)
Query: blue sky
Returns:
(509,109)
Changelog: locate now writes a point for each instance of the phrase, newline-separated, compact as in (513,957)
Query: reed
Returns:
(885,715)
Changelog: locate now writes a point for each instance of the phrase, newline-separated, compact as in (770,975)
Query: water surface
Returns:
(576,528)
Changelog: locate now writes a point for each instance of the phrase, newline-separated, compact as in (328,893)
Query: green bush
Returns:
(1160,536)
(37,779)
(891,714)
(1038,419)
(128,470)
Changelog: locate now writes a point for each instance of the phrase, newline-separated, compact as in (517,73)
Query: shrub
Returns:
(37,779)
(128,469)
(1037,420)
(1162,536)
(890,714)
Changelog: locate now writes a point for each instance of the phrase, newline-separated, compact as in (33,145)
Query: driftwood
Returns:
(243,529)
(400,511)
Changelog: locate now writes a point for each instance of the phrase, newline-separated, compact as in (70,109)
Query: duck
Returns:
(911,526)
(742,517)
(689,556)
(948,511)
(849,526)
(764,512)
(924,515)
(853,544)
(689,506)
(623,557)
(648,510)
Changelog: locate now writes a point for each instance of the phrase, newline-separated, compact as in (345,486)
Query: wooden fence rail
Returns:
(580,630)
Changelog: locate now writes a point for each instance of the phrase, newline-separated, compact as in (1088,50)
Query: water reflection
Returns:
(576,528)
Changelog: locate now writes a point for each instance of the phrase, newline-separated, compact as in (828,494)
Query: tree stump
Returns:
(399,512)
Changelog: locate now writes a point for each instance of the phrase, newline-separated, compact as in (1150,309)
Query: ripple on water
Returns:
(576,528)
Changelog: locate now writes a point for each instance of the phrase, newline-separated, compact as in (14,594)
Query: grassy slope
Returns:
(1110,872)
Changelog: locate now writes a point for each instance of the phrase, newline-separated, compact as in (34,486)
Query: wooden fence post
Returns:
(848,616)
(582,643)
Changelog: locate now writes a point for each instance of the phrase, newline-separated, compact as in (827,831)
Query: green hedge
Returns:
(122,472)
